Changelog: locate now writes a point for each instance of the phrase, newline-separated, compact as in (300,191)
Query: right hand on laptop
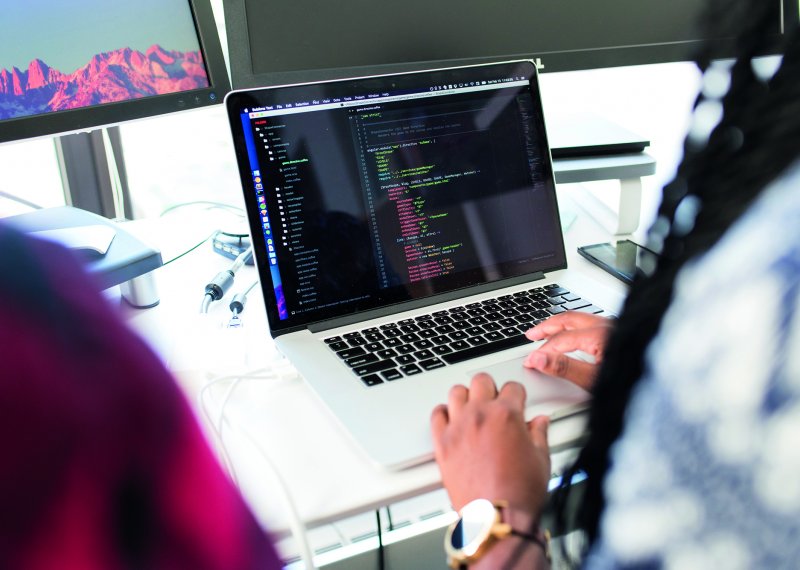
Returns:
(565,333)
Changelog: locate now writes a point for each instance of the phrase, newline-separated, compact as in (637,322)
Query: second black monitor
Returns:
(274,42)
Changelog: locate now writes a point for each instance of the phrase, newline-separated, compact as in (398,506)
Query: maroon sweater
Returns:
(103,465)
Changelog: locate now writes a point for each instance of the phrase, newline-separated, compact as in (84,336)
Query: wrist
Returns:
(487,530)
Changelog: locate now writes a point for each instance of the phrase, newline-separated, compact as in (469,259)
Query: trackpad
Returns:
(548,395)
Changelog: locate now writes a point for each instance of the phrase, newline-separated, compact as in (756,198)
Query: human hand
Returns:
(564,333)
(485,450)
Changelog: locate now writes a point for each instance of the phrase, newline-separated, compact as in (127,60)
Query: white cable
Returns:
(296,525)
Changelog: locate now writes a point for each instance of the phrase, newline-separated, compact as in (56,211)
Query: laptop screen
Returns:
(362,194)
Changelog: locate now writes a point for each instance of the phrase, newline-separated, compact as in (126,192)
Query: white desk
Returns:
(327,475)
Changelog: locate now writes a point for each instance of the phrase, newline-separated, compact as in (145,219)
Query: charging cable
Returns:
(216,289)
(296,525)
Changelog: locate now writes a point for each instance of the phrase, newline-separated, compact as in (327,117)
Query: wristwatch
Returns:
(481,524)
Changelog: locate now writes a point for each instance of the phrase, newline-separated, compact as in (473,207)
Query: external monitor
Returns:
(274,42)
(73,66)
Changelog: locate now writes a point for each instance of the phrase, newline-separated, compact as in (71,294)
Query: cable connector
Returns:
(216,289)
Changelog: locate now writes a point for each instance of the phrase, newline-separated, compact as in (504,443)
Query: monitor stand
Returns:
(109,252)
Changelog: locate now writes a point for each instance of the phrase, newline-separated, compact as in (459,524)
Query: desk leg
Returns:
(618,219)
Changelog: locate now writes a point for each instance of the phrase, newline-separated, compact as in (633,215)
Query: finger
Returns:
(514,394)
(565,321)
(591,340)
(482,387)
(439,420)
(556,364)
(456,400)
(538,430)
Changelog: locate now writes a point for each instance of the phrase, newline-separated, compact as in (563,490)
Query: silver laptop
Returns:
(406,233)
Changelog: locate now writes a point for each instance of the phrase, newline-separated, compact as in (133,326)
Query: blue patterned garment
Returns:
(707,471)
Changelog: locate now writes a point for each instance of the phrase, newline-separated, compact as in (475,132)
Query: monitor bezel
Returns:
(109,114)
(243,77)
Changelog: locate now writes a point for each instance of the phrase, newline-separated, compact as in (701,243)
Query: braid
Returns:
(721,174)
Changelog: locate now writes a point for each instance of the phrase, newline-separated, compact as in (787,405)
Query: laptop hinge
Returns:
(428,301)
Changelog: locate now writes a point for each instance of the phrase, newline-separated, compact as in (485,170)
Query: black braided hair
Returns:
(757,138)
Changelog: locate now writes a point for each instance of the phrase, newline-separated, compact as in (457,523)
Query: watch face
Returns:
(473,528)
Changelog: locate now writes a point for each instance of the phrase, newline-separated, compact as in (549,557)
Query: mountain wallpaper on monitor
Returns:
(108,77)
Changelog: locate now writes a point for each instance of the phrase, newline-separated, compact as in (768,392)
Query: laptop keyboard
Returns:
(413,346)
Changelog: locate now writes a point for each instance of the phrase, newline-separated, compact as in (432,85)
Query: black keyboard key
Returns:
(351,352)
(579,304)
(506,304)
(440,313)
(409,328)
(457,310)
(478,320)
(493,316)
(405,349)
(388,326)
(461,325)
(423,354)
(558,301)
(431,364)
(370,330)
(510,332)
(458,335)
(539,297)
(555,310)
(406,322)
(337,346)
(460,316)
(591,309)
(357,341)
(423,344)
(443,320)
(475,312)
(429,333)
(507,322)
(493,336)
(444,329)
(392,374)
(374,367)
(373,347)
(410,337)
(477,340)
(543,314)
(519,294)
(372,380)
(411,369)
(387,353)
(556,291)
(392,333)
(361,360)
(405,359)
(504,297)
(438,340)
(459,345)
(527,308)
(509,312)
(492,327)
(425,325)
(333,339)
(473,305)
(489,348)
(491,307)
(524,328)
(552,286)
(443,349)
(473,331)
(392,342)
(373,337)
(353,335)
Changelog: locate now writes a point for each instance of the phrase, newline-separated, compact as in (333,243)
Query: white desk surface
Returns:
(327,475)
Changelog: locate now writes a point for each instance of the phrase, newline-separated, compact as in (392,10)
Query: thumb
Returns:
(538,431)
